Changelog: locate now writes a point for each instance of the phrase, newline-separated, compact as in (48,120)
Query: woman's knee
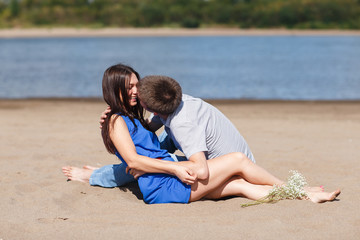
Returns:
(240,160)
(239,157)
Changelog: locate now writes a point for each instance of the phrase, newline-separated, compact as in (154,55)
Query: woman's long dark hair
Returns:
(115,84)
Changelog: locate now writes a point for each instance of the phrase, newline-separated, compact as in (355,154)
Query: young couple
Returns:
(219,161)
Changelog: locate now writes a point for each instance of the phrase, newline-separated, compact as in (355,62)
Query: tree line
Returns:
(315,14)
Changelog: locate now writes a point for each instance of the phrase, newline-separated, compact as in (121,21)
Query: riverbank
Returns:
(137,32)
(40,136)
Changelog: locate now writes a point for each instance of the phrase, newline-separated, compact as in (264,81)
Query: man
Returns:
(192,126)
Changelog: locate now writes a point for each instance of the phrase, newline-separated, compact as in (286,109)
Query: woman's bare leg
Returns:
(236,186)
(255,174)
(223,168)
(235,175)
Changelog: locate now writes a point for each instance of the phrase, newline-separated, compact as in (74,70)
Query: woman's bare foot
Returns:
(314,189)
(320,197)
(78,174)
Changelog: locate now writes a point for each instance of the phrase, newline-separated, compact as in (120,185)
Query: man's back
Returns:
(197,126)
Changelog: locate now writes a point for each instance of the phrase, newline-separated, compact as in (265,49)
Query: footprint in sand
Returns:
(51,220)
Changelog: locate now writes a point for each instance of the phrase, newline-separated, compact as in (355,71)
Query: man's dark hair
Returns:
(160,94)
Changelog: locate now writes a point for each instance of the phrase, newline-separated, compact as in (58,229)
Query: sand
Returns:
(131,32)
(38,137)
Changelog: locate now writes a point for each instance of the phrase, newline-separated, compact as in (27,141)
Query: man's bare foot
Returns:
(77,174)
(320,197)
(90,167)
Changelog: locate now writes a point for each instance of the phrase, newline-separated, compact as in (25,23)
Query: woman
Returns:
(161,180)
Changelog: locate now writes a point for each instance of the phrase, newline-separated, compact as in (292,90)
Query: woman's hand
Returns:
(136,173)
(185,174)
(104,115)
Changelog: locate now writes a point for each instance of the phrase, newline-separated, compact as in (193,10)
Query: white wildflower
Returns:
(293,189)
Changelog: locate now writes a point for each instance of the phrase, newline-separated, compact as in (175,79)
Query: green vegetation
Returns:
(317,14)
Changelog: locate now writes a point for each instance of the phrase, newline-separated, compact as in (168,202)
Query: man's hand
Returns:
(136,173)
(104,115)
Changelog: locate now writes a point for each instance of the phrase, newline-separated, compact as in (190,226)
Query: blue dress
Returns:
(155,187)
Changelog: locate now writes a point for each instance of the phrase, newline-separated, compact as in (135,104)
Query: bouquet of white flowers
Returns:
(293,189)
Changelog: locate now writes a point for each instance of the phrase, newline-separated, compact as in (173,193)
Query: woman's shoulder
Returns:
(120,116)
(125,120)
(117,119)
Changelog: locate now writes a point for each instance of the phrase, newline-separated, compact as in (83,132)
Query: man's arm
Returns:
(154,122)
(197,162)
(192,140)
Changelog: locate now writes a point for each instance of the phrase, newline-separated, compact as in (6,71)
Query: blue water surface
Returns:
(225,67)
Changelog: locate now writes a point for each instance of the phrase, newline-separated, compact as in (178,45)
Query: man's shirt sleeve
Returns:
(191,137)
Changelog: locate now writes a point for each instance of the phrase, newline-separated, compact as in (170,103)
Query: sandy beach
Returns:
(138,32)
(38,137)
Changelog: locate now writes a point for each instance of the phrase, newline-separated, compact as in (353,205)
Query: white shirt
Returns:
(197,126)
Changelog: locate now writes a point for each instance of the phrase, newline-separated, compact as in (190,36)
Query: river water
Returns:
(221,67)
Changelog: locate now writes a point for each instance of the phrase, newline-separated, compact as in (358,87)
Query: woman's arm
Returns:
(121,138)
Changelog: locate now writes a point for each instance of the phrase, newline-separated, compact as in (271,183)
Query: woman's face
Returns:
(132,90)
